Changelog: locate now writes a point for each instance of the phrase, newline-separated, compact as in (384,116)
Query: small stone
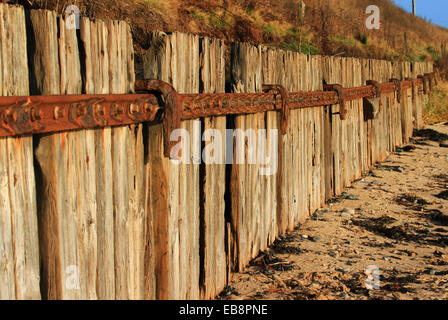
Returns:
(333,254)
(317,239)
(431,271)
(399,150)
(346,215)
(400,169)
(443,195)
(304,236)
(373,174)
(352,197)
(349,211)
(268,272)
(386,258)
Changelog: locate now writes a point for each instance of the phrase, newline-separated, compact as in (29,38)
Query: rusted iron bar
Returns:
(44,114)
(159,102)
(343,112)
(276,88)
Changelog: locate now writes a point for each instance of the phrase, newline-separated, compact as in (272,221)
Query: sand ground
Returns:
(386,237)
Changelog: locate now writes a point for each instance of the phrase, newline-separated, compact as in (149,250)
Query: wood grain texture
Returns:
(213,175)
(77,201)
(67,172)
(19,251)
(246,215)
(118,220)
(174,58)
(93,36)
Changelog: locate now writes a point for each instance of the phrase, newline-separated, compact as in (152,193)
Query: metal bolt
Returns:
(58,113)
(82,110)
(35,114)
(117,109)
(11,116)
(99,110)
(134,108)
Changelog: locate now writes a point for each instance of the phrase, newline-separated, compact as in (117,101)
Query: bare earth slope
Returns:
(327,27)
(399,224)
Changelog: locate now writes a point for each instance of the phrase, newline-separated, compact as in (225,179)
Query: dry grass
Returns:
(436,107)
(329,26)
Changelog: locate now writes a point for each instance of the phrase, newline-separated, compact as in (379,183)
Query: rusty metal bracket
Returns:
(377,87)
(378,92)
(160,102)
(373,105)
(21,119)
(279,89)
(430,79)
(434,78)
(172,115)
(412,86)
(343,111)
(398,88)
(425,83)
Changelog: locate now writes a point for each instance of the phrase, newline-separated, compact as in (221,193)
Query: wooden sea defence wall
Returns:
(103,214)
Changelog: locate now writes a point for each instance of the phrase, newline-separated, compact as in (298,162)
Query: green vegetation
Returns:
(323,26)
(436,107)
(304,47)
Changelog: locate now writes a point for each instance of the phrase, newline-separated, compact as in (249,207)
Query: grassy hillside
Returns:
(332,27)
(436,107)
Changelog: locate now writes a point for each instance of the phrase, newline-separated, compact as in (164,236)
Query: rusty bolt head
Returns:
(117,109)
(3,116)
(134,108)
(11,116)
(82,110)
(146,107)
(58,112)
(35,114)
(99,110)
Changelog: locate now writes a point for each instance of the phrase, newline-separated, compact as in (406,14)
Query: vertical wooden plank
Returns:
(19,252)
(163,190)
(246,77)
(129,208)
(278,201)
(212,80)
(70,272)
(174,58)
(93,35)
(78,201)
(57,205)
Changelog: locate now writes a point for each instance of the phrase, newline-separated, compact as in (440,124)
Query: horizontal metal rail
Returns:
(158,101)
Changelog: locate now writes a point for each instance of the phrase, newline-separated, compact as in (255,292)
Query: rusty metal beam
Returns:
(43,114)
